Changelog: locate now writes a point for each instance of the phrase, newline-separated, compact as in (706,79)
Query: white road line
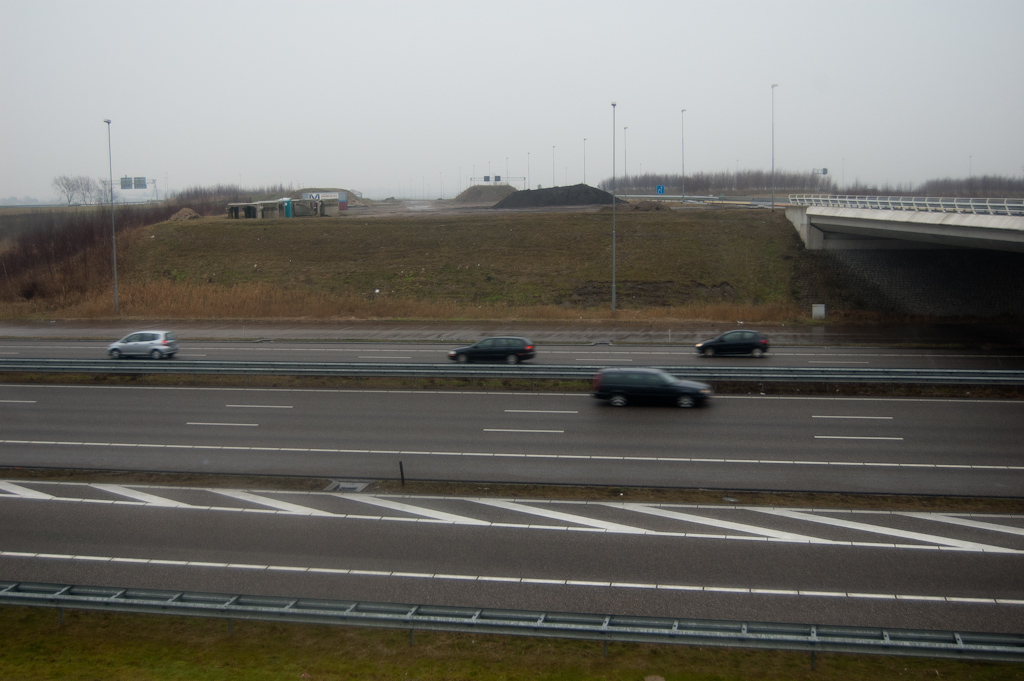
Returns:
(965,522)
(23,491)
(564,517)
(888,531)
(852,437)
(414,510)
(698,588)
(271,503)
(875,418)
(260,406)
(381,357)
(503,455)
(519,430)
(603,359)
(539,411)
(832,361)
(138,495)
(724,524)
(199,423)
(17,401)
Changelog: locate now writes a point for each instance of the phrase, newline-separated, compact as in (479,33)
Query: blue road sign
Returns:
(661,189)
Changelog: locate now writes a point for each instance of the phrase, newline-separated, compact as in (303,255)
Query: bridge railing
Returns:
(913,203)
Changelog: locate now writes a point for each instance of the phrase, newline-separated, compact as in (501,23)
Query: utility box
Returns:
(818,311)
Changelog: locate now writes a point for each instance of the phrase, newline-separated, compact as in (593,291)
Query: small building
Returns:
(312,204)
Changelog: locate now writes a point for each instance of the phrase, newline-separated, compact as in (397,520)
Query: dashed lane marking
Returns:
(505,579)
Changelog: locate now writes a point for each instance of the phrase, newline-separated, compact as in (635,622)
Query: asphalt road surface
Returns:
(602,354)
(910,570)
(868,445)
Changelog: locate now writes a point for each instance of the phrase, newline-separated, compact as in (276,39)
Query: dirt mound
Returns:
(648,205)
(185,214)
(576,195)
(482,193)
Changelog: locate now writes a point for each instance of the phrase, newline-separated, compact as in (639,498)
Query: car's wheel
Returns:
(115,354)
(685,401)
(709,352)
(511,359)
(461,359)
(156,354)
(618,401)
(757,352)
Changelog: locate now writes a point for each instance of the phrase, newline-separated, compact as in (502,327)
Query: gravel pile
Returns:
(576,195)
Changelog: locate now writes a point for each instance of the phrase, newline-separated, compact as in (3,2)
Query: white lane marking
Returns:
(724,524)
(854,437)
(138,495)
(260,406)
(519,430)
(874,418)
(23,491)
(245,425)
(965,522)
(272,503)
(190,354)
(17,402)
(540,411)
(888,531)
(381,357)
(832,361)
(751,591)
(415,510)
(603,359)
(502,455)
(565,517)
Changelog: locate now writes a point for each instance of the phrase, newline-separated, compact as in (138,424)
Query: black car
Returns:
(624,386)
(735,343)
(508,349)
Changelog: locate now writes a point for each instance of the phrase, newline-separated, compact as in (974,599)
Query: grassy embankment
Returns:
(672,265)
(113,646)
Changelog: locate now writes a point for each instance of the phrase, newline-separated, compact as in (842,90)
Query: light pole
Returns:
(613,208)
(682,155)
(552,166)
(584,160)
(774,85)
(527,170)
(113,236)
(625,160)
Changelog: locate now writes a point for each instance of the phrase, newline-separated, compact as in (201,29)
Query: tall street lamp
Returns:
(682,155)
(625,160)
(613,208)
(584,160)
(113,236)
(774,85)
(552,166)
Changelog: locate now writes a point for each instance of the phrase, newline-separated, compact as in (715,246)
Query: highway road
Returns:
(879,569)
(676,355)
(866,445)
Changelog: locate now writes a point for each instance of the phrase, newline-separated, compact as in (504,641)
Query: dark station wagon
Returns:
(622,386)
(508,349)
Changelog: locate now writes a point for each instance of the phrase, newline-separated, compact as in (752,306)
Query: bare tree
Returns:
(67,187)
(86,187)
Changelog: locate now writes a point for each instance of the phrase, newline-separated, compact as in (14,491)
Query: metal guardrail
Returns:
(581,626)
(710,374)
(913,203)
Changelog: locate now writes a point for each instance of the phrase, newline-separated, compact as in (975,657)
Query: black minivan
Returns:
(508,349)
(622,386)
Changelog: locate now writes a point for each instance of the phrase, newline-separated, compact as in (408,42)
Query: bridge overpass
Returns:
(899,222)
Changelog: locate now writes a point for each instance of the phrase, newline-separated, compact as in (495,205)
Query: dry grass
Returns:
(691,265)
(119,647)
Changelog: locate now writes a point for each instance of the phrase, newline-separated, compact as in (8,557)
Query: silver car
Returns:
(154,344)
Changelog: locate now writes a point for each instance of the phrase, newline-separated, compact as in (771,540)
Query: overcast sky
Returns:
(408,97)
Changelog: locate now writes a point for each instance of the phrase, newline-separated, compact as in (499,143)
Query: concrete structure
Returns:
(867,224)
